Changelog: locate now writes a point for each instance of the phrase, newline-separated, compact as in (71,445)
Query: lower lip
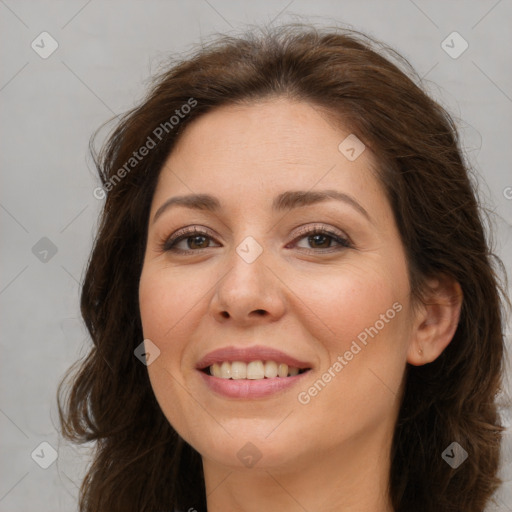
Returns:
(247,388)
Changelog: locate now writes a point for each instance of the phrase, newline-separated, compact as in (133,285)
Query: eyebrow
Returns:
(283,202)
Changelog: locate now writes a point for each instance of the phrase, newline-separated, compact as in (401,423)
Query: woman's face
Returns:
(279,271)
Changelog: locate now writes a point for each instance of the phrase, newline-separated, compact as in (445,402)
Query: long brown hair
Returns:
(141,463)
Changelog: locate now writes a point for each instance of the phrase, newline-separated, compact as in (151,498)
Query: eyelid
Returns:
(328,229)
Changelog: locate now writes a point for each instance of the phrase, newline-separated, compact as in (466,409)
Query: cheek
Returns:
(167,300)
(341,304)
(360,321)
(359,317)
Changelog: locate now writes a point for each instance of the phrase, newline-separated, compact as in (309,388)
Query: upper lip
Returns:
(248,354)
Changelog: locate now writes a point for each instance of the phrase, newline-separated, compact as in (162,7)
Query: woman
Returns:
(291,296)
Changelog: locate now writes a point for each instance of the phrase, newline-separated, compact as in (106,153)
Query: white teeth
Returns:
(270,369)
(255,370)
(282,371)
(225,370)
(238,370)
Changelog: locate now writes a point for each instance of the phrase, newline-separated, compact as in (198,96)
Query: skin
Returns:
(331,454)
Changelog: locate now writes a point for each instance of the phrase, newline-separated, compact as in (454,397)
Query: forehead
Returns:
(295,132)
(265,147)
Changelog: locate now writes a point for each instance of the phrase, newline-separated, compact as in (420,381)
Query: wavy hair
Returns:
(140,462)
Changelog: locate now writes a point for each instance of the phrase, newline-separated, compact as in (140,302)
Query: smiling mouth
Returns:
(254,370)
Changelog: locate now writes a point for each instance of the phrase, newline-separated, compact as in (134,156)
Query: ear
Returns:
(436,320)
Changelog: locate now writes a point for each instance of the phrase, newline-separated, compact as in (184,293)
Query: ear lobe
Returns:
(436,321)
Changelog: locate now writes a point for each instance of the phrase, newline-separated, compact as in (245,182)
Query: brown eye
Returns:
(188,240)
(198,241)
(319,240)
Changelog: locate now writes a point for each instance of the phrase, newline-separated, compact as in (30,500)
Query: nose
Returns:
(249,293)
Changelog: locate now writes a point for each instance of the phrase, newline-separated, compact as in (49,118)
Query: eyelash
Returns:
(168,244)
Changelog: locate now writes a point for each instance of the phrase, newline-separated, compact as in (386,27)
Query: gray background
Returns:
(107,51)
